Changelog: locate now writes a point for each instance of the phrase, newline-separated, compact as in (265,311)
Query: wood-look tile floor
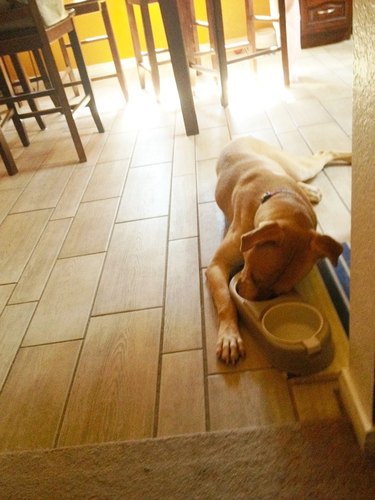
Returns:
(107,331)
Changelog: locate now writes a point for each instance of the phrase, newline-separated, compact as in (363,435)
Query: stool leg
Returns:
(216,22)
(150,44)
(284,42)
(76,46)
(114,49)
(6,90)
(6,155)
(136,43)
(212,33)
(68,65)
(26,87)
(189,30)
(63,100)
(44,75)
(250,28)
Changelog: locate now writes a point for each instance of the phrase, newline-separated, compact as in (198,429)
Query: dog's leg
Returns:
(230,345)
(322,159)
(299,167)
(330,156)
(313,193)
(303,168)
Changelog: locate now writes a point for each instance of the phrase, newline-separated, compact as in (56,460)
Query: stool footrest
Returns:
(83,103)
(258,53)
(92,39)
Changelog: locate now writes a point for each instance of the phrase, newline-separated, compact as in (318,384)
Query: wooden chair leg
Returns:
(214,11)
(150,44)
(250,28)
(186,11)
(284,42)
(7,91)
(6,155)
(211,33)
(68,65)
(136,43)
(26,87)
(114,50)
(43,74)
(63,100)
(86,83)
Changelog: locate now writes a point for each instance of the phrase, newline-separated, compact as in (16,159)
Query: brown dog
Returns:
(271,229)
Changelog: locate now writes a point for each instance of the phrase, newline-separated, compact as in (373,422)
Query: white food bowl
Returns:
(294,334)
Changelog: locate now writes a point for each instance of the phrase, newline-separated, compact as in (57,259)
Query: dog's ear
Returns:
(268,232)
(325,246)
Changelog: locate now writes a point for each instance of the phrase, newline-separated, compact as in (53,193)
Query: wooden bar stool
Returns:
(83,7)
(23,29)
(152,53)
(174,31)
(219,45)
(150,59)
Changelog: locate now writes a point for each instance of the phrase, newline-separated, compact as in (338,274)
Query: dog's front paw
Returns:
(313,193)
(230,347)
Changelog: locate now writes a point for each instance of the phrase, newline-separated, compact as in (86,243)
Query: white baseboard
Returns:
(363,427)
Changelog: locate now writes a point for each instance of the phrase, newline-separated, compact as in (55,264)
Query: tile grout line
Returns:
(162,325)
(202,303)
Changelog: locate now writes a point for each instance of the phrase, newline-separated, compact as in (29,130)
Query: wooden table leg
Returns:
(180,66)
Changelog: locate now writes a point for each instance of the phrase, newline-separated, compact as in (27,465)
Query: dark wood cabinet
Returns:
(325,22)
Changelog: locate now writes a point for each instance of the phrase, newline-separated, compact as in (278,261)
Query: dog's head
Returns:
(277,256)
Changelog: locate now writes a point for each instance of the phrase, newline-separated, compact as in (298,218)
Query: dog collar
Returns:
(268,194)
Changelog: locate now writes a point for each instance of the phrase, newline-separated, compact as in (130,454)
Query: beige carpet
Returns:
(318,461)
